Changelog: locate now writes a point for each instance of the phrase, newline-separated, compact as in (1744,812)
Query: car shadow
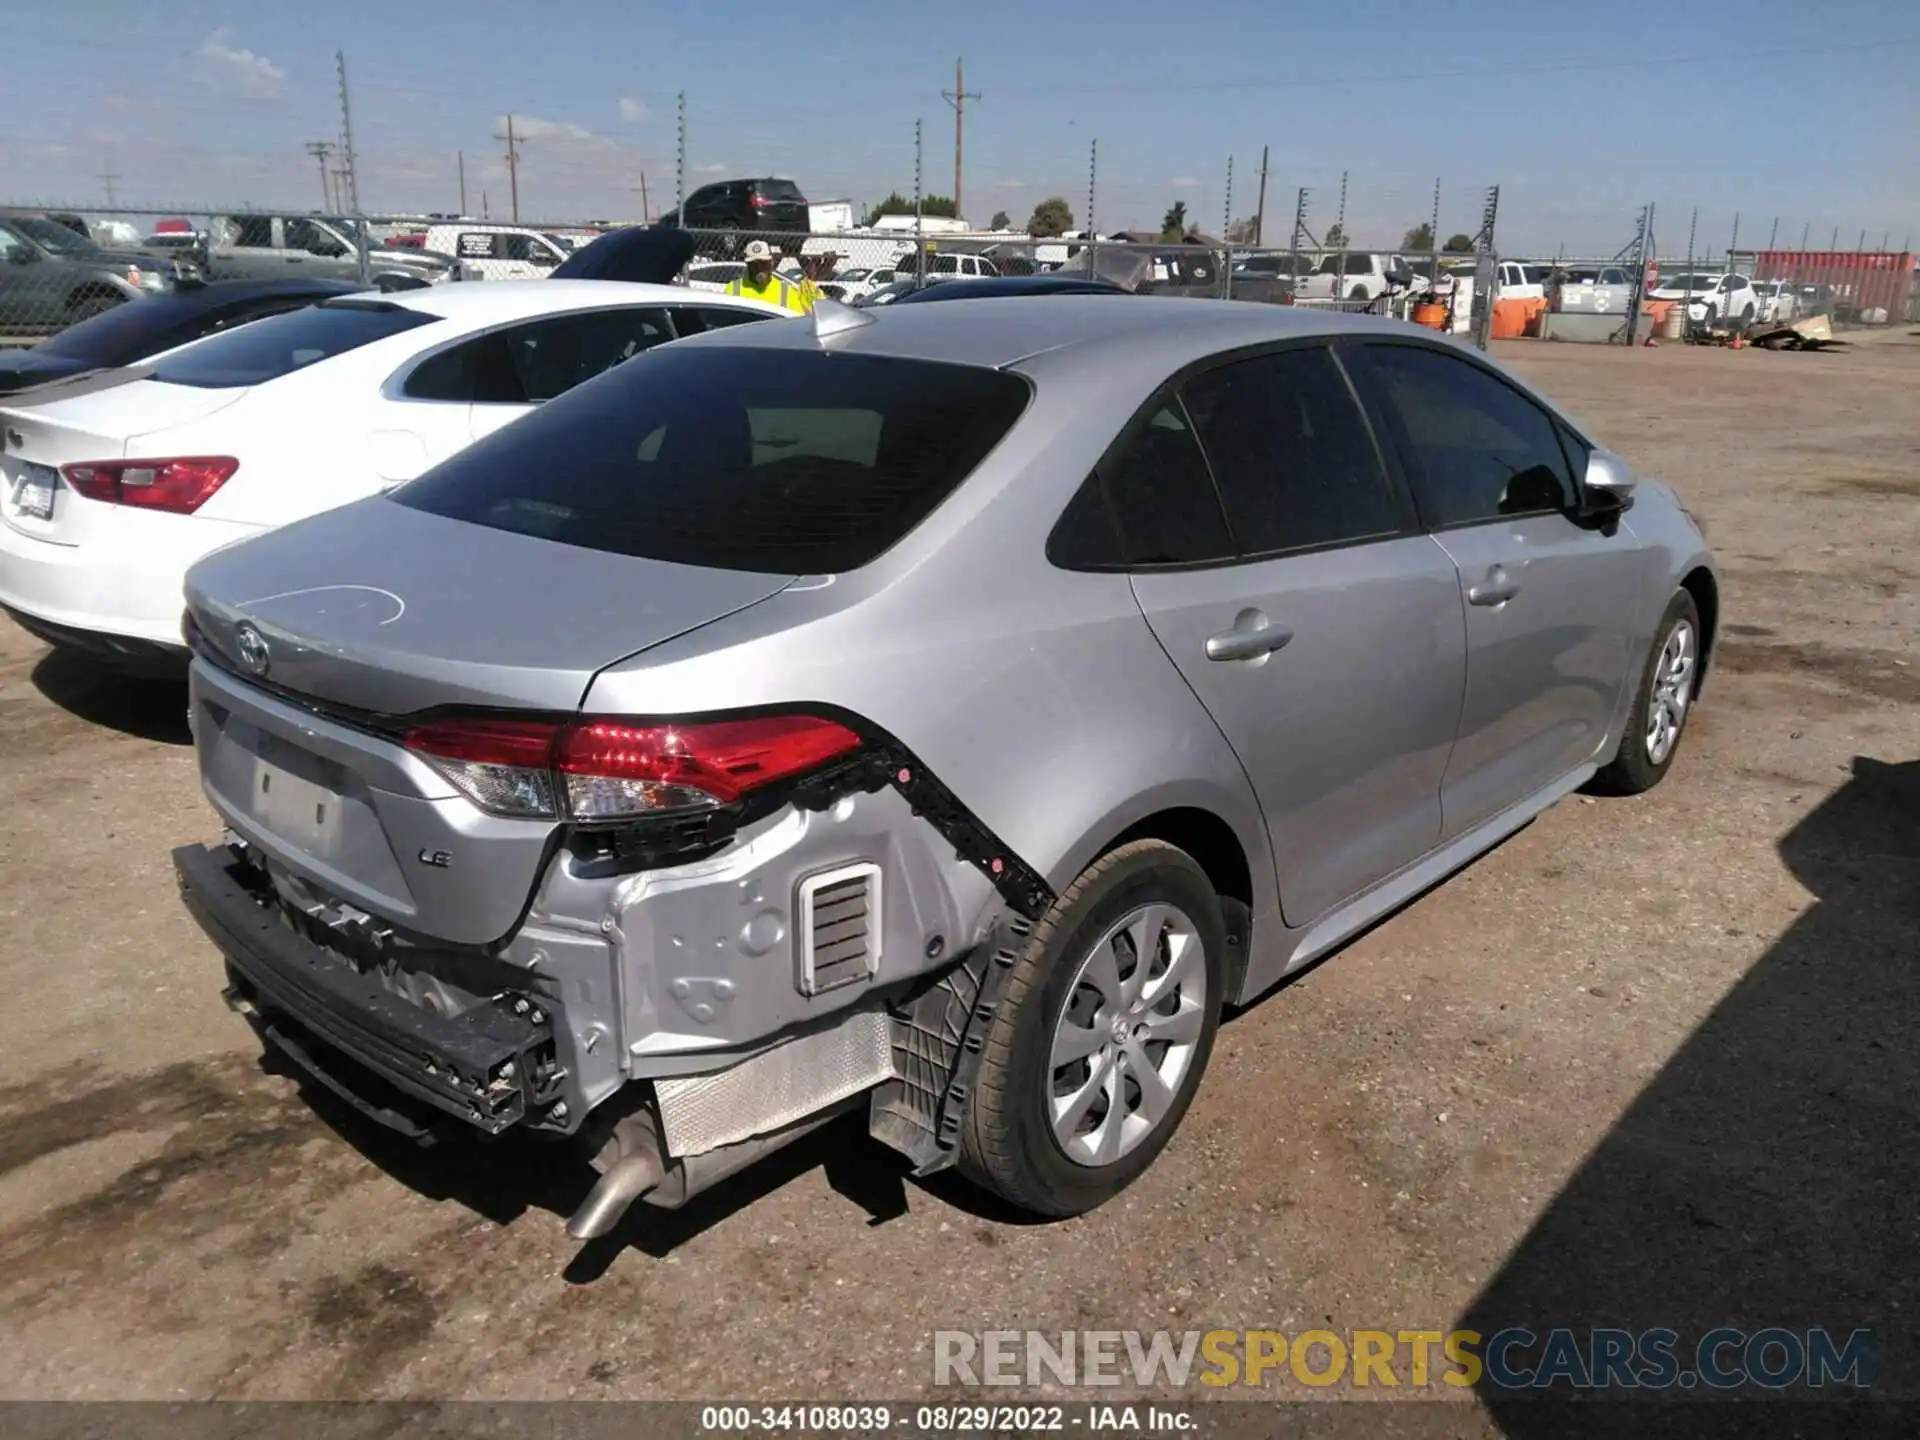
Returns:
(1767,1176)
(503,1179)
(148,708)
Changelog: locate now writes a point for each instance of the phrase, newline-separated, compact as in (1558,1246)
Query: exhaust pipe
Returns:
(625,1183)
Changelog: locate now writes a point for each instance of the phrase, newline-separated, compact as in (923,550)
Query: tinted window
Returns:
(1159,503)
(128,332)
(1480,448)
(56,237)
(777,461)
(254,232)
(692,319)
(282,344)
(1291,452)
(781,190)
(454,373)
(550,357)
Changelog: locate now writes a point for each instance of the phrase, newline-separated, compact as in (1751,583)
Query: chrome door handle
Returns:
(1247,641)
(1496,589)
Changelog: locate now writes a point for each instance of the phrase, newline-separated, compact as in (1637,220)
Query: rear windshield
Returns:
(781,190)
(268,349)
(777,461)
(126,332)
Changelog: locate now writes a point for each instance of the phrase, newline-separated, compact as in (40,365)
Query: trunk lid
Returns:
(390,610)
(91,417)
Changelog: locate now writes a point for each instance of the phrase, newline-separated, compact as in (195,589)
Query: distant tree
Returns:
(1420,237)
(1458,244)
(1173,224)
(1050,217)
(898,204)
(1335,237)
(1240,232)
(1001,221)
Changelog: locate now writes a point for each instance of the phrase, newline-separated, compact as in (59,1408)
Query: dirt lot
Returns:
(1650,1062)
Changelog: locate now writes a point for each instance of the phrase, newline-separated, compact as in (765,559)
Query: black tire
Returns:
(1713,314)
(89,306)
(1746,316)
(1008,1144)
(1635,770)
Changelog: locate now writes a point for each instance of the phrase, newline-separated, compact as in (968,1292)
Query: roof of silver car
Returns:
(1000,332)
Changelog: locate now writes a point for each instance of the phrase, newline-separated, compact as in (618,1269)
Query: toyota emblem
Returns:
(252,646)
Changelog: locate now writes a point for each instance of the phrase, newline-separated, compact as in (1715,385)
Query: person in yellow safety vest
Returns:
(760,283)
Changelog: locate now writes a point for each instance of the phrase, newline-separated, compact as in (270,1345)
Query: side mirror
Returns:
(1608,484)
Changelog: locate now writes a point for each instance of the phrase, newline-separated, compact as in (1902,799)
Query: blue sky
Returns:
(1774,109)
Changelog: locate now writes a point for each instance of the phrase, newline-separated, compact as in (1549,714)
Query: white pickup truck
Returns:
(1356,275)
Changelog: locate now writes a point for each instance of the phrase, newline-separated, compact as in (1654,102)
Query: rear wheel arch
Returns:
(1217,849)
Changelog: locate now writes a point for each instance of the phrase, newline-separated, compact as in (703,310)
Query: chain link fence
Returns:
(60,265)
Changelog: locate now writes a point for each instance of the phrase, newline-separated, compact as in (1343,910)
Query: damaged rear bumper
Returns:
(490,1066)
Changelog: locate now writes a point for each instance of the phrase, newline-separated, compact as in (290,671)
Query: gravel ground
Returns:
(1650,1062)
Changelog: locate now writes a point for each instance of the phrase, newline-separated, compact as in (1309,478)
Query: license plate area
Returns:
(33,491)
(296,796)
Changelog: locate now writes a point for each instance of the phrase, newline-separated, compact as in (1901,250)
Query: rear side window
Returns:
(776,461)
(1152,502)
(281,344)
(1295,462)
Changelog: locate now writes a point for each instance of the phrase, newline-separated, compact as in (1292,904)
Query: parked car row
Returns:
(531,630)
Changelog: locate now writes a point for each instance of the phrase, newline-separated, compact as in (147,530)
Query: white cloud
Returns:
(532,127)
(718,167)
(1183,182)
(632,109)
(254,77)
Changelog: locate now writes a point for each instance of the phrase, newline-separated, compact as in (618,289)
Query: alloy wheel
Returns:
(1127,1035)
(1672,692)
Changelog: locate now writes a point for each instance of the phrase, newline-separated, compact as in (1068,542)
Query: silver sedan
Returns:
(937,712)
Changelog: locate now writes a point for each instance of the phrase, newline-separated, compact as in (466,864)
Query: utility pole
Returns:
(1260,206)
(351,198)
(107,177)
(646,211)
(919,213)
(958,97)
(462,157)
(513,168)
(320,149)
(680,164)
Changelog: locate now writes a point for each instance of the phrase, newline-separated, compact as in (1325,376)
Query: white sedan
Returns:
(113,484)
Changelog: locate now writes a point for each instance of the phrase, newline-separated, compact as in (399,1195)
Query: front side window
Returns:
(736,458)
(12,247)
(1290,449)
(1480,450)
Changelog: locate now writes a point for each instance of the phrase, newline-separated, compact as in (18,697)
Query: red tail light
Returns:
(613,770)
(759,202)
(178,486)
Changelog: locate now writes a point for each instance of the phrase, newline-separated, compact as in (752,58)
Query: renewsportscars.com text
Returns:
(1515,1358)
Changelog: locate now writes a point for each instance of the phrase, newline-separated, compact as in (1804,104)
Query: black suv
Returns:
(759,205)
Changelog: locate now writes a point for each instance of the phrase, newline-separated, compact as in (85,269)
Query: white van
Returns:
(496,252)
